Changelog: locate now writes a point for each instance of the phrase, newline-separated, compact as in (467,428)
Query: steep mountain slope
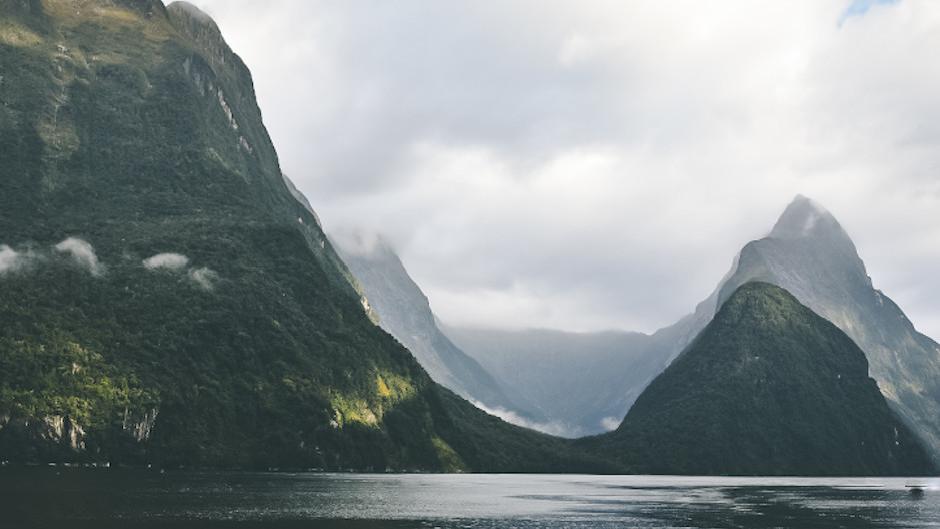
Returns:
(768,388)
(404,312)
(578,381)
(164,295)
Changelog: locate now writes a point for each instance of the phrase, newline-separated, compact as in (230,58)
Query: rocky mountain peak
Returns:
(804,218)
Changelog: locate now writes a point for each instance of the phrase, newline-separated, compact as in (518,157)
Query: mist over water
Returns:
(42,497)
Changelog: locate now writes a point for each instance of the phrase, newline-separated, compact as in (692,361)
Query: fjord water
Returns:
(56,497)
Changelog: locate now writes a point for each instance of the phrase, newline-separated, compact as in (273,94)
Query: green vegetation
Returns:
(135,128)
(768,388)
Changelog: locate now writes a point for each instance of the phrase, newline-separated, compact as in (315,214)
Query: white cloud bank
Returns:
(82,253)
(552,428)
(610,423)
(598,165)
(166,261)
(204,277)
(12,260)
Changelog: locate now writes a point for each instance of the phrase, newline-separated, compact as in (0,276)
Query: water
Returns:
(56,497)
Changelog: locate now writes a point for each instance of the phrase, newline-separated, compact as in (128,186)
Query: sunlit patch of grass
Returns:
(450,460)
(353,410)
(368,409)
(394,387)
(15,35)
(384,391)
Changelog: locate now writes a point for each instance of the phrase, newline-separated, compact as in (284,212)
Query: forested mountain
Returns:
(165,297)
(768,388)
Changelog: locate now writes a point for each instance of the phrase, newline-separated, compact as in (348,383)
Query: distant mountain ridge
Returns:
(579,381)
(810,255)
(767,388)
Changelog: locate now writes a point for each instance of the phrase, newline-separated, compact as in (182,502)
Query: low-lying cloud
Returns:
(166,261)
(82,253)
(204,277)
(610,423)
(552,428)
(11,260)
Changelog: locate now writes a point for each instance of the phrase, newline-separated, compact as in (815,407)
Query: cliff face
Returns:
(166,297)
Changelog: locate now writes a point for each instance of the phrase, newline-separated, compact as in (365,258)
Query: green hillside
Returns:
(768,388)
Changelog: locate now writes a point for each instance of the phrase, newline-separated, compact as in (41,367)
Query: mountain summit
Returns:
(805,218)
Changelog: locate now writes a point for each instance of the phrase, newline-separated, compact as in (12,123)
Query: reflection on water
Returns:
(55,497)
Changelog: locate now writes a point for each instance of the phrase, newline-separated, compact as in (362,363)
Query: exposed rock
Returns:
(61,429)
(140,429)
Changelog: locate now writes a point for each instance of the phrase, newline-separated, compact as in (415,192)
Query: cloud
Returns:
(204,277)
(600,164)
(610,423)
(552,428)
(166,261)
(82,253)
(357,242)
(12,260)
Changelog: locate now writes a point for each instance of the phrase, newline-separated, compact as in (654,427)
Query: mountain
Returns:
(807,253)
(403,310)
(165,295)
(767,388)
(579,381)
(810,255)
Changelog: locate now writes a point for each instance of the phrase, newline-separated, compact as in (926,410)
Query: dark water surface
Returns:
(73,498)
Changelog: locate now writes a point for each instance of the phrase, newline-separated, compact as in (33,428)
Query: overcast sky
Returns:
(591,165)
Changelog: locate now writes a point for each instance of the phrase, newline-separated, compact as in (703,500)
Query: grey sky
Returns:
(591,165)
